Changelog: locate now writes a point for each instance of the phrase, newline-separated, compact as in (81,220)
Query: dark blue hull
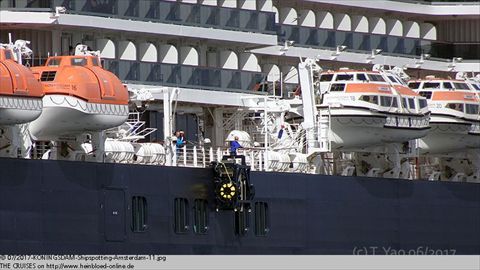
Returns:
(66,207)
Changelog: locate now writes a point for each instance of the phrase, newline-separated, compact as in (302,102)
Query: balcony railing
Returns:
(185,76)
(163,12)
(324,38)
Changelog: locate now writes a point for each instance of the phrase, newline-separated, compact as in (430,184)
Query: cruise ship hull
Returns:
(65,207)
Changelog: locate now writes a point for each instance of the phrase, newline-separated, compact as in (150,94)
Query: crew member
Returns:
(234,145)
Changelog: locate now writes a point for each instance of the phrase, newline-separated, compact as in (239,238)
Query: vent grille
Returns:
(48,76)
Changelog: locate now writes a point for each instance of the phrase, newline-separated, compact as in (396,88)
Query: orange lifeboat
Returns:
(80,96)
(20,93)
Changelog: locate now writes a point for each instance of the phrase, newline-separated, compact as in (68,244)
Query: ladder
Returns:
(324,130)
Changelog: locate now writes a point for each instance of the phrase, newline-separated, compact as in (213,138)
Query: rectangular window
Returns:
(361,77)
(326,77)
(422,103)
(200,217)
(425,94)
(471,109)
(414,85)
(181,215)
(242,222)
(261,219)
(411,103)
(139,214)
(447,85)
(79,61)
(461,86)
(344,77)
(337,87)
(385,101)
(431,85)
(376,78)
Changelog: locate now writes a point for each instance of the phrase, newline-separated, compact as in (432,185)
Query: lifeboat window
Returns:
(385,101)
(8,55)
(414,85)
(242,222)
(447,85)
(395,103)
(431,85)
(200,217)
(426,94)
(181,215)
(376,78)
(95,61)
(461,86)
(471,108)
(392,79)
(371,99)
(79,61)
(361,77)
(411,103)
(337,87)
(344,77)
(261,219)
(476,86)
(326,77)
(54,62)
(455,106)
(139,214)
(404,103)
(422,103)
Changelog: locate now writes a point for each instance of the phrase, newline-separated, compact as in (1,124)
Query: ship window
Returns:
(326,77)
(414,85)
(344,77)
(261,219)
(461,86)
(139,214)
(79,61)
(200,217)
(411,103)
(385,101)
(426,94)
(337,87)
(471,108)
(431,85)
(422,103)
(361,77)
(447,85)
(181,215)
(242,222)
(455,106)
(392,79)
(476,86)
(395,103)
(8,54)
(404,103)
(376,78)
(53,62)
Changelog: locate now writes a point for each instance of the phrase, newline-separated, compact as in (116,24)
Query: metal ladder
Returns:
(324,127)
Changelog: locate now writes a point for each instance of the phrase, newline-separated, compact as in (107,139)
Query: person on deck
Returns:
(234,145)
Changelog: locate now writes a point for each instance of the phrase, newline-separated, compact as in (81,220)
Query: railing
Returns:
(184,76)
(366,42)
(163,12)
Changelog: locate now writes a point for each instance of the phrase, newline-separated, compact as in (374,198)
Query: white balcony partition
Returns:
(127,50)
(342,22)
(290,74)
(288,16)
(247,4)
(147,52)
(277,14)
(188,56)
(360,24)
(249,62)
(394,27)
(265,5)
(307,18)
(273,72)
(325,20)
(377,25)
(428,31)
(228,60)
(411,29)
(227,3)
(168,54)
(106,48)
(208,2)
(189,1)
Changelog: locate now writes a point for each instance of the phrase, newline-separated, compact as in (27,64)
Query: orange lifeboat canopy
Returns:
(81,77)
(16,79)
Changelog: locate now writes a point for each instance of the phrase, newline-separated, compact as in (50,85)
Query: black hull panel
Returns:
(61,208)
